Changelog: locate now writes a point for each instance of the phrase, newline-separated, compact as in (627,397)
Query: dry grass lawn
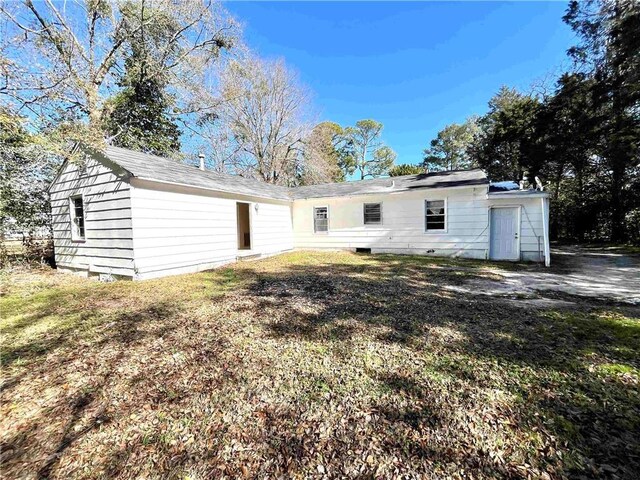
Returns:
(314,364)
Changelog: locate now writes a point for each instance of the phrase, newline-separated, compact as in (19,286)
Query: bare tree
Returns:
(214,139)
(59,62)
(265,108)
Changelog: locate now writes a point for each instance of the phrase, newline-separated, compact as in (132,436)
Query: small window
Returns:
(77,218)
(435,215)
(372,213)
(320,219)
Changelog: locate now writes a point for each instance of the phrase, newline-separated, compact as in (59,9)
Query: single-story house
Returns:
(133,215)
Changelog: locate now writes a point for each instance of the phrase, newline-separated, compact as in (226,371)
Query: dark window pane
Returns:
(435,215)
(372,213)
(432,225)
(320,219)
(435,222)
(78,216)
(321,213)
(77,204)
(80,227)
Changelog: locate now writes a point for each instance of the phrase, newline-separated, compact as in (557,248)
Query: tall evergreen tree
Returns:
(505,144)
(139,115)
(406,169)
(609,50)
(139,118)
(365,151)
(567,130)
(324,147)
(450,149)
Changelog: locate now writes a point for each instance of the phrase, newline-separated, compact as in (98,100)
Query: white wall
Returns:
(108,247)
(532,233)
(183,229)
(402,230)
(147,229)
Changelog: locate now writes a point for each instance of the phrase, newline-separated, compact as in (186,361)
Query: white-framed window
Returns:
(76,211)
(320,219)
(372,213)
(435,215)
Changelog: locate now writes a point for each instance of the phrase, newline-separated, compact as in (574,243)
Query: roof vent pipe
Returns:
(201,157)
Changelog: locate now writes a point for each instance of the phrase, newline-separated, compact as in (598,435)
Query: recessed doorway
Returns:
(244,226)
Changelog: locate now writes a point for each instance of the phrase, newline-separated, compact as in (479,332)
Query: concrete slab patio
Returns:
(613,277)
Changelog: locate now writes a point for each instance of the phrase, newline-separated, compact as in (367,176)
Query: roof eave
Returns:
(397,190)
(226,192)
(518,193)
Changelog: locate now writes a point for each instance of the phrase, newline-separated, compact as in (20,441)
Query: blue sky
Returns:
(415,67)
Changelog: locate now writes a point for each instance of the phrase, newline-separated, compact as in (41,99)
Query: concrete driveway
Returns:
(598,275)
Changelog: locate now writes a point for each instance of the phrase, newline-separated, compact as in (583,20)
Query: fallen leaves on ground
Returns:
(313,365)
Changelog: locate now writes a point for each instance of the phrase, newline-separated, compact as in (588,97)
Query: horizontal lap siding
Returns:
(272,228)
(108,247)
(531,229)
(402,230)
(179,229)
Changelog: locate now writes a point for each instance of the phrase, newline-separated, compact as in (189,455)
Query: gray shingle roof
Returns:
(154,168)
(454,178)
(151,167)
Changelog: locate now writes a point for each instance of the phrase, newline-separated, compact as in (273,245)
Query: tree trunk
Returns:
(93,111)
(618,231)
(554,227)
(579,226)
(618,152)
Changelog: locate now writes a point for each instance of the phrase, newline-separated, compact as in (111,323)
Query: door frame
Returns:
(249,204)
(518,230)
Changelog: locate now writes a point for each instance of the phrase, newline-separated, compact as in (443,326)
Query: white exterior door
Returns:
(504,234)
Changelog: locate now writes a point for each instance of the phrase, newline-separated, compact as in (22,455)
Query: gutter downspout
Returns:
(545,230)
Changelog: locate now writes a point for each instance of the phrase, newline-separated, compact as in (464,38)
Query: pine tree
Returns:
(608,51)
(139,115)
(505,144)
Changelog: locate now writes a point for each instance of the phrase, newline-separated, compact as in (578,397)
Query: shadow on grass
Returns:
(57,315)
(444,382)
(121,332)
(544,358)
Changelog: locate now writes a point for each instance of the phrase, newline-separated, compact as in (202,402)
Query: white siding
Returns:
(531,226)
(108,244)
(143,229)
(182,229)
(403,223)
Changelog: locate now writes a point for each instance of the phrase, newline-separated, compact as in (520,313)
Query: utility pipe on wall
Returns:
(545,230)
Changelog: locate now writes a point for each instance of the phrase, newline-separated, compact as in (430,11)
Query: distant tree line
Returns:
(582,139)
(162,77)
(174,79)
